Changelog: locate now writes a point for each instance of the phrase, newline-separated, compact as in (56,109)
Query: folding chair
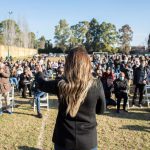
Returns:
(0,104)
(11,98)
(44,101)
(147,95)
(121,103)
(130,94)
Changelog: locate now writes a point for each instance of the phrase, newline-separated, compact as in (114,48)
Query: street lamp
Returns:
(9,24)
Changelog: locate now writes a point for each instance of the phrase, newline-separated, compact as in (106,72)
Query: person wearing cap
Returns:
(5,86)
(120,90)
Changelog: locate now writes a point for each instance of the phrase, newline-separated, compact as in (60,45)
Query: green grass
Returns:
(124,131)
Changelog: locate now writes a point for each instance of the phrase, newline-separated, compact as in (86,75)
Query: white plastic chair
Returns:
(130,93)
(0,104)
(10,98)
(147,95)
(44,101)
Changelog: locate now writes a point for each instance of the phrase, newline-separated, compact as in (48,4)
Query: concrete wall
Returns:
(16,51)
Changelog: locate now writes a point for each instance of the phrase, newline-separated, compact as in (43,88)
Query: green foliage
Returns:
(125,37)
(148,42)
(9,31)
(11,34)
(32,38)
(93,36)
(108,36)
(101,37)
(1,34)
(41,42)
(62,34)
(78,33)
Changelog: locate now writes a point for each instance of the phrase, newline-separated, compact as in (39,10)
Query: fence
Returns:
(16,51)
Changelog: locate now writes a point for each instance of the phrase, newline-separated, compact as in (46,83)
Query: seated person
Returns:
(37,93)
(108,88)
(98,73)
(108,73)
(60,72)
(25,82)
(13,77)
(19,70)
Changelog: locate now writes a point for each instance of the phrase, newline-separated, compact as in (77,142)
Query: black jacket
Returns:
(120,86)
(78,133)
(139,73)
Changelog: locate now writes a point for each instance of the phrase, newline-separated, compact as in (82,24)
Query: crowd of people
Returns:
(119,73)
(83,82)
(116,72)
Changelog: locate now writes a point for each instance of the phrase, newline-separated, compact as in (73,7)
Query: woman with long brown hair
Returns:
(80,98)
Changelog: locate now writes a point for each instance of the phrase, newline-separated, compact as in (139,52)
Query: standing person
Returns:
(80,98)
(5,86)
(120,90)
(139,80)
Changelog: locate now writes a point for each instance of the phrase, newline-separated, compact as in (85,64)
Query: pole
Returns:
(10,13)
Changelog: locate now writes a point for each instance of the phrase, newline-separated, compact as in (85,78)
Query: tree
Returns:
(125,38)
(78,33)
(32,40)
(8,32)
(1,34)
(108,37)
(41,42)
(148,42)
(62,34)
(48,44)
(93,36)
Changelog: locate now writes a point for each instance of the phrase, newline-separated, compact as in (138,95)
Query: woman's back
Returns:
(79,133)
(80,98)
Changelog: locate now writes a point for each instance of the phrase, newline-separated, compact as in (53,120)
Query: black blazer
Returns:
(78,133)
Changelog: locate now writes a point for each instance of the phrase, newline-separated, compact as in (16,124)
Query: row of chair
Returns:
(11,99)
(44,101)
(146,98)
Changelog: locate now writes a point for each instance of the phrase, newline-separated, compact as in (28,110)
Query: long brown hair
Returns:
(78,79)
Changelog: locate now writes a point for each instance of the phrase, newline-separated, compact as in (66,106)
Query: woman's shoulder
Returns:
(97,83)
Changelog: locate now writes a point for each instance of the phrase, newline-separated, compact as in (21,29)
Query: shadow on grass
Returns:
(22,101)
(136,128)
(132,114)
(27,148)
(53,104)
(20,113)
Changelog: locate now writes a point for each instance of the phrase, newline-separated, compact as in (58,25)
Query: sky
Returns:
(43,15)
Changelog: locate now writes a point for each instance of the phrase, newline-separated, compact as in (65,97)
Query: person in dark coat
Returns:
(108,89)
(80,97)
(139,80)
(120,90)
(5,87)
(38,94)
(25,82)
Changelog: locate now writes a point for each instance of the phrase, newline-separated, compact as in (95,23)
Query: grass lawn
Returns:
(124,131)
